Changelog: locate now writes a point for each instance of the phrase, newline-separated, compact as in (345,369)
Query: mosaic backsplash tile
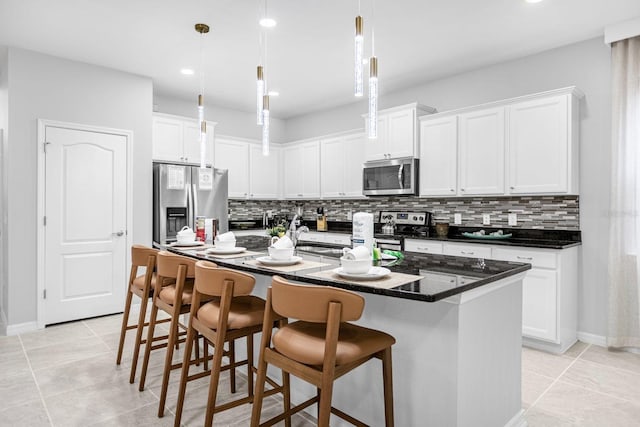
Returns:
(539,212)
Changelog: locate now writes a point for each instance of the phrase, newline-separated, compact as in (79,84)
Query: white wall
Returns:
(585,65)
(46,87)
(229,122)
(4,107)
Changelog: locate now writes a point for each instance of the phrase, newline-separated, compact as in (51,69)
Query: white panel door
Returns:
(481,137)
(354,159)
(401,139)
(85,233)
(439,156)
(539,304)
(310,170)
(376,148)
(293,171)
(332,167)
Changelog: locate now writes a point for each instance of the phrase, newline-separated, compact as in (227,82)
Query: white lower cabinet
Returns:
(550,288)
(326,237)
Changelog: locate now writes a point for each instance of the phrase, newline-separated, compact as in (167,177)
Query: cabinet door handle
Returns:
(118,233)
(422,249)
(512,187)
(452,190)
(299,194)
(466,253)
(462,189)
(527,258)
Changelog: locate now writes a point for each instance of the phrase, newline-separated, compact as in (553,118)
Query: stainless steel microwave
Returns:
(390,177)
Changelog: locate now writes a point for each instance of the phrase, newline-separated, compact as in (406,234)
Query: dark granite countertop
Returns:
(443,276)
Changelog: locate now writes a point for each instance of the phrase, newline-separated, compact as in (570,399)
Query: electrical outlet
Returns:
(486,219)
(513,219)
(457,219)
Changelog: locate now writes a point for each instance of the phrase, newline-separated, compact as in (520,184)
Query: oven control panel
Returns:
(404,217)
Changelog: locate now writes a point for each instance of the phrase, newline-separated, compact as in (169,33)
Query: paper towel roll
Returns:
(363,230)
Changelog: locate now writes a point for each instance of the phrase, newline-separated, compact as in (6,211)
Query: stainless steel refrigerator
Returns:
(183,192)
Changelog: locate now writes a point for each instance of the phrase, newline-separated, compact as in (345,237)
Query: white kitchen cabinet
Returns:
(301,162)
(481,152)
(264,173)
(251,175)
(467,250)
(423,246)
(549,296)
(341,160)
(233,155)
(398,134)
(438,156)
(543,146)
(177,139)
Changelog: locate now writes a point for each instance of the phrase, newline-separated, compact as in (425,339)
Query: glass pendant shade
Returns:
(203,132)
(373,98)
(359,49)
(259,94)
(265,125)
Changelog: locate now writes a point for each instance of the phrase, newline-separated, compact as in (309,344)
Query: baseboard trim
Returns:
(21,328)
(588,338)
(518,420)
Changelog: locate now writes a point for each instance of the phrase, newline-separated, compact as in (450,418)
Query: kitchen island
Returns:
(457,322)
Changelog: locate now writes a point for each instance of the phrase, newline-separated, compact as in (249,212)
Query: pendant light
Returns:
(259,93)
(358,51)
(373,85)
(265,125)
(202,29)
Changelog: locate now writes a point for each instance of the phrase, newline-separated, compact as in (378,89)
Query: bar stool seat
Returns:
(245,311)
(305,342)
(139,282)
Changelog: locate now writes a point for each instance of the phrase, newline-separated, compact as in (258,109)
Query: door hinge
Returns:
(44,146)
(44,294)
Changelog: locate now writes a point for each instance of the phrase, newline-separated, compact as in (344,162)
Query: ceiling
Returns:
(310,51)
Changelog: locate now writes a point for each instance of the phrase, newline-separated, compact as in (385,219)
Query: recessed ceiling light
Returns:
(187,71)
(273,93)
(268,22)
(533,1)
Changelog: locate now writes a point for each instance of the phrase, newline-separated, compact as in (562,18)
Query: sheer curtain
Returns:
(624,247)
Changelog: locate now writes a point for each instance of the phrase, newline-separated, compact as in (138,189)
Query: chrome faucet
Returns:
(294,231)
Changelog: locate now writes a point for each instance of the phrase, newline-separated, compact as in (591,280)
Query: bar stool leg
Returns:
(388,386)
(324,404)
(232,360)
(259,391)
(147,348)
(139,330)
(125,322)
(249,339)
(172,341)
(191,334)
(215,376)
(286,397)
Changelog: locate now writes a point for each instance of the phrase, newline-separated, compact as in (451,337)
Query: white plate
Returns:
(387,257)
(194,243)
(229,251)
(373,273)
(267,260)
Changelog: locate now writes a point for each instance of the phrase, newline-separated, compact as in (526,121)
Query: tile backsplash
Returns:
(540,212)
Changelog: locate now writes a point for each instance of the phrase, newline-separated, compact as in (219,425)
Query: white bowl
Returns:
(186,237)
(355,266)
(280,253)
(224,244)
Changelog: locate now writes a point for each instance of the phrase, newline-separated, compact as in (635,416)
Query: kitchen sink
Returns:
(321,250)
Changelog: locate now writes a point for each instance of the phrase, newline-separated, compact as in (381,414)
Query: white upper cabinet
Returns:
(177,139)
(341,166)
(439,156)
(233,155)
(481,138)
(251,175)
(264,175)
(542,146)
(301,178)
(526,145)
(397,133)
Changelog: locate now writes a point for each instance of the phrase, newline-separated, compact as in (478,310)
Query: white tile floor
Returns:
(66,375)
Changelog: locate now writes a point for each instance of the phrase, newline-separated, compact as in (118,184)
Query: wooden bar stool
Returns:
(319,347)
(141,286)
(232,314)
(174,299)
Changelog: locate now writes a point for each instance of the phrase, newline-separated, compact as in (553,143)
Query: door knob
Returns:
(118,233)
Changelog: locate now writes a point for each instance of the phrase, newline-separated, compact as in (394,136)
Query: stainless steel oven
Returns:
(390,177)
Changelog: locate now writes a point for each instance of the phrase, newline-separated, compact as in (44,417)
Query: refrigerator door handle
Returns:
(194,205)
(190,207)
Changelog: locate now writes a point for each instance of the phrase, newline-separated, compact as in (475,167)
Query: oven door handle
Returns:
(401,177)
